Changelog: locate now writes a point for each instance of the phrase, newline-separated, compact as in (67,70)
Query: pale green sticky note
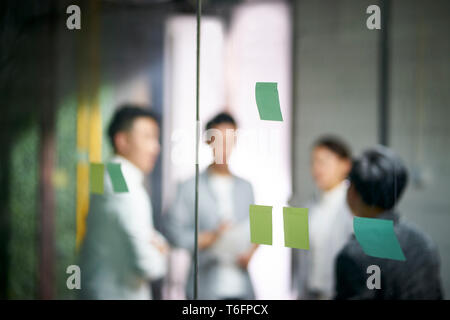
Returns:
(118,181)
(296,231)
(268,101)
(261,224)
(377,238)
(96,171)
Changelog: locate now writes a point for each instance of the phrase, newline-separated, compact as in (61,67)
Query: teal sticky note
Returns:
(261,224)
(118,181)
(268,101)
(96,172)
(377,238)
(296,231)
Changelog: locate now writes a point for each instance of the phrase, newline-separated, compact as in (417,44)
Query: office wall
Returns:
(420,99)
(336,92)
(335,81)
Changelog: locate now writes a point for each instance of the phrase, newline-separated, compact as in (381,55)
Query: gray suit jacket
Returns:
(179,228)
(416,278)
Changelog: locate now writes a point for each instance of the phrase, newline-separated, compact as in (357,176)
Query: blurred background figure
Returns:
(224,238)
(330,222)
(378,180)
(122,250)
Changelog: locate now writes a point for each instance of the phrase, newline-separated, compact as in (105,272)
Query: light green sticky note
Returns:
(377,238)
(96,171)
(296,231)
(268,101)
(117,179)
(261,224)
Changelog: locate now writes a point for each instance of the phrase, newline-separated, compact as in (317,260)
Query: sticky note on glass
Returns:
(117,179)
(268,101)
(296,231)
(96,171)
(261,224)
(377,238)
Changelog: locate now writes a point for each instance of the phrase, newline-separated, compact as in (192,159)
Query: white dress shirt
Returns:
(230,282)
(117,257)
(330,227)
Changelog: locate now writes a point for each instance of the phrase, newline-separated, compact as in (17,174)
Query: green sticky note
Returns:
(96,171)
(296,231)
(261,224)
(267,101)
(117,179)
(377,238)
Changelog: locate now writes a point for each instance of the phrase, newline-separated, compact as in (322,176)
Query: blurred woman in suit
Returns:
(330,221)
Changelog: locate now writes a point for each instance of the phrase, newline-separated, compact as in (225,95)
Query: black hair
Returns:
(222,117)
(335,145)
(379,176)
(124,117)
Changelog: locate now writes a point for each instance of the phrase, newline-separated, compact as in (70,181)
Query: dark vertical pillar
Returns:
(5,139)
(383,74)
(46,201)
(156,76)
(46,205)
(294,29)
(4,217)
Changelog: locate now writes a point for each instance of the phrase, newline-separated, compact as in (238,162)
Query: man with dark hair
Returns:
(122,250)
(224,228)
(134,135)
(378,180)
(221,118)
(329,220)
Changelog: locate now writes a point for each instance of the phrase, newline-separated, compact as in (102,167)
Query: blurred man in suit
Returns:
(378,179)
(122,251)
(224,228)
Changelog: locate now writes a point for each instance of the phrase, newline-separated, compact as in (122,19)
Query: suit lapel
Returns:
(208,209)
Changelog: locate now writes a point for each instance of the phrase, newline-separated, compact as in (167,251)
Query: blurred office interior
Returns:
(59,88)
